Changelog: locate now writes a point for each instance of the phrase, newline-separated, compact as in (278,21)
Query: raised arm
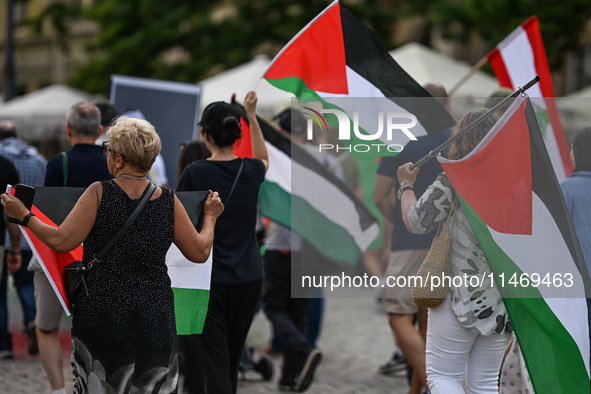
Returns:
(259,150)
(193,245)
(75,228)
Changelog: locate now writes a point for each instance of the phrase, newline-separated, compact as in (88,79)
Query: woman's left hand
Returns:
(13,207)
(405,174)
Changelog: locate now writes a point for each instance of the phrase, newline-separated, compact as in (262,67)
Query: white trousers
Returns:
(450,346)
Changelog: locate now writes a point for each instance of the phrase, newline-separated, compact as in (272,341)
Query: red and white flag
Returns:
(516,60)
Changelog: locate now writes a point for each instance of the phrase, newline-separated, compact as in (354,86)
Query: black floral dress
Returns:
(123,333)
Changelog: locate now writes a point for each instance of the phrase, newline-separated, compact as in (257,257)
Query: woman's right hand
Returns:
(213,205)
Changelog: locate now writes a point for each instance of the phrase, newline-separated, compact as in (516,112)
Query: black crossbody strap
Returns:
(142,202)
(235,181)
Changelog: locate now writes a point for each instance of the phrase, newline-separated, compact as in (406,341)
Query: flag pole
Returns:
(488,113)
(472,71)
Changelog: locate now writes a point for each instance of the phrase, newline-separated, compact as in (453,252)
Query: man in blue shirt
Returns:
(83,165)
(30,166)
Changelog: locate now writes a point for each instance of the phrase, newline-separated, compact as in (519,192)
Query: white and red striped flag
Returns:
(516,60)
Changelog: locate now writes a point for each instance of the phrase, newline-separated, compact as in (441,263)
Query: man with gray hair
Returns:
(79,167)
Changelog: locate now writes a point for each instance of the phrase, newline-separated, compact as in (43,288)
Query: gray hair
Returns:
(84,119)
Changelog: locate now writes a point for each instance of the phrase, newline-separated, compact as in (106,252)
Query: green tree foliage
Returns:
(561,21)
(187,40)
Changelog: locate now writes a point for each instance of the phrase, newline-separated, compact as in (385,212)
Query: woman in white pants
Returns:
(471,326)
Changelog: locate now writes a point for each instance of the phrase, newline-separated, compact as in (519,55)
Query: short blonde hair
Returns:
(136,140)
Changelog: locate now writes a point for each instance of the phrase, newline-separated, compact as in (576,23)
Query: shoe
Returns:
(306,375)
(6,355)
(395,364)
(287,383)
(32,345)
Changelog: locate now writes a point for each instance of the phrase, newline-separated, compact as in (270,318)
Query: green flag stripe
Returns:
(553,359)
(329,239)
(190,309)
(275,203)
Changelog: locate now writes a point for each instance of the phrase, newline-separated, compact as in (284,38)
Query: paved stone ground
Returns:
(355,340)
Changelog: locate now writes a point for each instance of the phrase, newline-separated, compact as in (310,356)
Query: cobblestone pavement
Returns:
(355,339)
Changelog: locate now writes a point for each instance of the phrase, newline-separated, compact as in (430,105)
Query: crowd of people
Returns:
(123,330)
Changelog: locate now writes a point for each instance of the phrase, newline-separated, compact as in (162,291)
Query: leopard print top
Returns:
(476,302)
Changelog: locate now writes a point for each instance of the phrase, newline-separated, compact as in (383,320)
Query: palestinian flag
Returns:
(337,58)
(513,201)
(516,60)
(326,214)
(52,262)
(190,282)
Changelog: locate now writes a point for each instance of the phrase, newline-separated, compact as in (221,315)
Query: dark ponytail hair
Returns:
(225,135)
(221,121)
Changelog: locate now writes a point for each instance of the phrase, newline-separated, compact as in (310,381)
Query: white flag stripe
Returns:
(518,57)
(279,168)
(570,312)
(553,151)
(185,274)
(331,202)
(359,87)
(545,252)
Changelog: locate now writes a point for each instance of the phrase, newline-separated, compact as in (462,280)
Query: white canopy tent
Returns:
(426,65)
(42,111)
(240,80)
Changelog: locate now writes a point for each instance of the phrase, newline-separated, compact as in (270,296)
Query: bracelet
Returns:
(402,190)
(406,183)
(14,252)
(26,219)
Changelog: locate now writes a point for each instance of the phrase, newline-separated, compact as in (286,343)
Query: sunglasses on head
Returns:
(106,150)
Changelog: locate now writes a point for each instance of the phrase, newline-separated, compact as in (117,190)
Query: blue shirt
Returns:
(414,151)
(29,164)
(577,191)
(86,165)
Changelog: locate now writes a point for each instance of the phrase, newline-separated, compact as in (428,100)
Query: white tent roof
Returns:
(240,80)
(426,65)
(42,110)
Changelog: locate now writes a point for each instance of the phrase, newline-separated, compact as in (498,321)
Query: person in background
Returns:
(81,166)
(191,152)
(30,166)
(237,274)
(108,115)
(8,176)
(192,368)
(124,330)
(407,251)
(577,189)
(288,315)
(459,343)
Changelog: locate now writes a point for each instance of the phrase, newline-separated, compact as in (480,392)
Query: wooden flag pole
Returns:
(472,71)
(488,113)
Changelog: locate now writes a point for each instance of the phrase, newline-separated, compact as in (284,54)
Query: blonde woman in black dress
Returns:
(124,334)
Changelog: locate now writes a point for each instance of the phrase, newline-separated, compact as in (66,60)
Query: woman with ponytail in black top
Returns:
(237,274)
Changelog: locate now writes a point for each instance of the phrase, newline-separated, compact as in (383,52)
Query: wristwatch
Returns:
(402,190)
(27,218)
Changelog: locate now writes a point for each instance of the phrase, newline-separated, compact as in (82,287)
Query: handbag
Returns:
(436,264)
(73,273)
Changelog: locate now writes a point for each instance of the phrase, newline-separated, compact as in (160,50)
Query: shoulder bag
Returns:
(73,273)
(437,264)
